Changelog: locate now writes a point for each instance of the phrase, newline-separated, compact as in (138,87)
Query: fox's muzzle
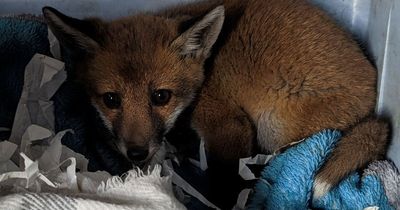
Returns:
(138,154)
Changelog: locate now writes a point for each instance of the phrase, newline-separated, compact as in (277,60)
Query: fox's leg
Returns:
(365,142)
(228,134)
(226,129)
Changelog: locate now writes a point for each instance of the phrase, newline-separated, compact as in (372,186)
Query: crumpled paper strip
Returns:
(202,163)
(165,151)
(43,76)
(180,182)
(165,155)
(30,175)
(7,149)
(242,199)
(44,158)
(247,174)
(81,161)
(54,44)
(244,170)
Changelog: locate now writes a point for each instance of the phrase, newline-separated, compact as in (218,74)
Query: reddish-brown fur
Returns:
(280,71)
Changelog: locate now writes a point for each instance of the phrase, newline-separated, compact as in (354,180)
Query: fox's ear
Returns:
(77,35)
(197,41)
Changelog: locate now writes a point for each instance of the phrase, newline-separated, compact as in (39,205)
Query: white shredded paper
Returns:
(244,170)
(34,149)
(34,118)
(54,45)
(180,182)
(202,164)
(247,174)
(242,199)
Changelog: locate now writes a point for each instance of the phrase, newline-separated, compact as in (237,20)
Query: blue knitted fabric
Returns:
(286,182)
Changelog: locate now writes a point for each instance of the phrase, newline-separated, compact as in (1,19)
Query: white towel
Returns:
(137,191)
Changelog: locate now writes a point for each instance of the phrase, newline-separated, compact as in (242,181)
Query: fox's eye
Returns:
(112,100)
(161,97)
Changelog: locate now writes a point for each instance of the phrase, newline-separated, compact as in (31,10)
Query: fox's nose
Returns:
(137,154)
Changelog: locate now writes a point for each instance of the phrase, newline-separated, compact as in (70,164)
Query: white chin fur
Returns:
(320,188)
(106,122)
(169,123)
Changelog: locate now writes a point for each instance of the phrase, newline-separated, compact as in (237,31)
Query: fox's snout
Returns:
(138,151)
(137,148)
(137,154)
(135,144)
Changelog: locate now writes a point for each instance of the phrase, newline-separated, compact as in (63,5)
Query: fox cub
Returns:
(275,71)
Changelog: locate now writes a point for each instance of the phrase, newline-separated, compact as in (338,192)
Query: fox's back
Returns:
(292,40)
(290,59)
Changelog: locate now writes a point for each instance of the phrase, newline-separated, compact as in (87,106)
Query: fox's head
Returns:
(140,72)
